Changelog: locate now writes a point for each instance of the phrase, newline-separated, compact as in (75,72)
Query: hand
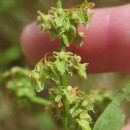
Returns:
(106,45)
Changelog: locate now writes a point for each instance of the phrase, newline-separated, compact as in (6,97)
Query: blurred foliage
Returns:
(17,83)
(19,95)
(14,16)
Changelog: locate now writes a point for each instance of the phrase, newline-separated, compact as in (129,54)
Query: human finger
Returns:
(106,43)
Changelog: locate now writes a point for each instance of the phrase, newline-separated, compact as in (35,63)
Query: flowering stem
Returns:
(66,104)
(64,83)
(62,45)
(59,3)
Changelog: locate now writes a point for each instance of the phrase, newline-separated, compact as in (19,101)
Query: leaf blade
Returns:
(113,118)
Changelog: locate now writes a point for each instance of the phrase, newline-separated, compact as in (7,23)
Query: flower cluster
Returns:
(63,23)
(52,67)
(79,103)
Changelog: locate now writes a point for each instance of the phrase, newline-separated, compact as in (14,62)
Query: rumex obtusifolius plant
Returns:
(69,101)
(71,104)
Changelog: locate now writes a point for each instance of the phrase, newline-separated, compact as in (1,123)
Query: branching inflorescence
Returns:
(72,103)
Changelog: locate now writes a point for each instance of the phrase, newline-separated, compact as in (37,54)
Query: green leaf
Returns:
(82,15)
(72,28)
(39,86)
(79,39)
(82,70)
(60,65)
(84,124)
(36,80)
(113,118)
(69,97)
(77,112)
(39,100)
(42,16)
(66,40)
(59,20)
(84,121)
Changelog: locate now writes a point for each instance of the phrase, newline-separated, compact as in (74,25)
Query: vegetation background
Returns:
(14,16)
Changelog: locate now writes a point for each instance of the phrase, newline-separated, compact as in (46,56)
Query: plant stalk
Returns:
(64,83)
(59,4)
(66,103)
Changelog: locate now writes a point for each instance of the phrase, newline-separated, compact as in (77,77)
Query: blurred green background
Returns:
(14,16)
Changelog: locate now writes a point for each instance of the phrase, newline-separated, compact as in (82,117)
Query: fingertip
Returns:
(106,45)
(127,127)
(26,37)
(35,44)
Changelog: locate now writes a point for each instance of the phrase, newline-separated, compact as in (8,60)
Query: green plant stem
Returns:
(62,45)
(64,83)
(66,103)
(40,101)
(59,4)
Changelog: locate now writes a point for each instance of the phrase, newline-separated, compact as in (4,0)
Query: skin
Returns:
(106,43)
